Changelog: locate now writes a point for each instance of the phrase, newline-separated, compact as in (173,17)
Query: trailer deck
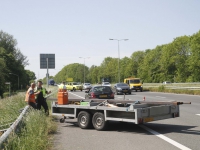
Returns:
(97,112)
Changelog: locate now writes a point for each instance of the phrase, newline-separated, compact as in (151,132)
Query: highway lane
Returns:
(179,133)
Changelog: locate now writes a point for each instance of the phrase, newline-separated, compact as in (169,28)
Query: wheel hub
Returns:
(99,121)
(83,120)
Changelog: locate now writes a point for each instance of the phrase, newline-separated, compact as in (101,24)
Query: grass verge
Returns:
(35,133)
(162,88)
(36,129)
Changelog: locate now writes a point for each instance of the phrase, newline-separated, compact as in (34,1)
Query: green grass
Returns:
(167,90)
(9,109)
(35,133)
(36,128)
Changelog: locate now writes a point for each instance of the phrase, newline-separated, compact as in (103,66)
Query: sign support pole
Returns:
(47,73)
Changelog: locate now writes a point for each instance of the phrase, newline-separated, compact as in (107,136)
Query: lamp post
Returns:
(18,78)
(119,56)
(84,65)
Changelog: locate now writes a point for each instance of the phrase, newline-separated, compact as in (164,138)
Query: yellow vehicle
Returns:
(134,84)
(73,86)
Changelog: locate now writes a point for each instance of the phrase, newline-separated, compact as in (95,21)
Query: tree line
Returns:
(12,64)
(178,61)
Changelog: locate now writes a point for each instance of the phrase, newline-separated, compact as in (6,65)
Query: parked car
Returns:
(122,88)
(166,82)
(106,84)
(99,92)
(87,86)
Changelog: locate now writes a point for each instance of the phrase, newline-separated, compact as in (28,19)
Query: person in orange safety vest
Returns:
(30,96)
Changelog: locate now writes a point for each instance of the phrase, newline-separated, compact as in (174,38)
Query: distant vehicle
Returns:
(105,80)
(51,82)
(73,86)
(87,86)
(99,92)
(166,82)
(122,88)
(106,84)
(134,83)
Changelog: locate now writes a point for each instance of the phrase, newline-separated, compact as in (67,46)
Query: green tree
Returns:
(194,59)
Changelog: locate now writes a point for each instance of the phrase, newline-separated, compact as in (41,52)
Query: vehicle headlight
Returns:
(119,89)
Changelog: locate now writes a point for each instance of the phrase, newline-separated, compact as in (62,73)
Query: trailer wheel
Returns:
(84,120)
(62,120)
(98,121)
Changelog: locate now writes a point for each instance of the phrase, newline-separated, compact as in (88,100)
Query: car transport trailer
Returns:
(97,112)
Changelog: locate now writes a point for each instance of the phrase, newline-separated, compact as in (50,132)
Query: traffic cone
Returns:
(144,98)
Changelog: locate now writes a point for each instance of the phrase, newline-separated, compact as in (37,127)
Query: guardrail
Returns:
(188,86)
(13,127)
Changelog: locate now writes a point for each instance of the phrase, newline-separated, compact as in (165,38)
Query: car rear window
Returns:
(102,89)
(122,84)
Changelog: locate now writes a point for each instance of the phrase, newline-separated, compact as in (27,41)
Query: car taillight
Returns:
(112,95)
(140,120)
(93,95)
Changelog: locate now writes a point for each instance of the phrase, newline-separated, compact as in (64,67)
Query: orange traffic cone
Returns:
(144,98)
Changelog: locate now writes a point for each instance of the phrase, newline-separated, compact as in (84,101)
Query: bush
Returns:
(161,88)
(7,94)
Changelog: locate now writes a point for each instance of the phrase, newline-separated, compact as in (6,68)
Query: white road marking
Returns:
(178,145)
(198,114)
(77,95)
(160,97)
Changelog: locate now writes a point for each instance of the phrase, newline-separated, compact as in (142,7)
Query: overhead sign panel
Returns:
(47,58)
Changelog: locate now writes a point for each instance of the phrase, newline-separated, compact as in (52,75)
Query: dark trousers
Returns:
(43,103)
(32,104)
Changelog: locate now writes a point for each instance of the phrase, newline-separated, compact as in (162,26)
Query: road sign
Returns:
(69,79)
(47,59)
(7,82)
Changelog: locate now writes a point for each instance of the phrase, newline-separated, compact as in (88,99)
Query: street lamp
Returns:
(119,55)
(84,65)
(18,78)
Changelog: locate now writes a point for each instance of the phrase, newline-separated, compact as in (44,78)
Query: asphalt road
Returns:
(170,134)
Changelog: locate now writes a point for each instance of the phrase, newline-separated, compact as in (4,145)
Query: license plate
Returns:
(102,96)
(149,119)
(124,90)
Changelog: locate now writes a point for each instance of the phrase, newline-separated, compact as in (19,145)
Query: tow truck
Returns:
(98,112)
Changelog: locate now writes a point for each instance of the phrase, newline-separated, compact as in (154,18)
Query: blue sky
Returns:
(82,28)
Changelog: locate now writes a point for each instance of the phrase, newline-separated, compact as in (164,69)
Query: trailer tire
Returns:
(62,120)
(84,120)
(98,121)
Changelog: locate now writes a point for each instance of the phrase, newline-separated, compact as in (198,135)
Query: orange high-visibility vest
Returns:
(30,97)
